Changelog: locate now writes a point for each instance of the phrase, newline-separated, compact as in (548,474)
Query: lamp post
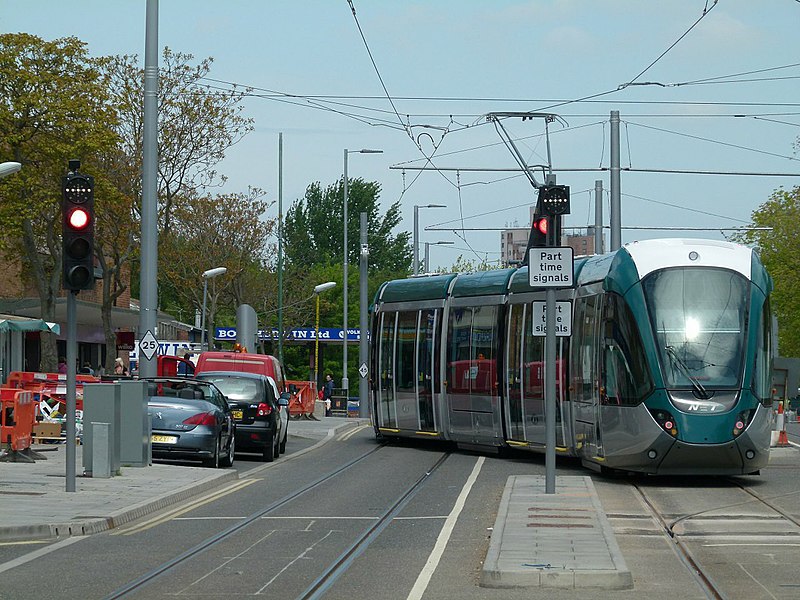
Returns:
(345,382)
(206,276)
(7,168)
(317,291)
(416,232)
(428,252)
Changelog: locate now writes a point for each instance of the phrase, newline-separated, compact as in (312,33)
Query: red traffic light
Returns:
(540,225)
(79,218)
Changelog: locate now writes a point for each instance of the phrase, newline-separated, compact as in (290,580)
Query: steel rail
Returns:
(151,575)
(682,552)
(338,567)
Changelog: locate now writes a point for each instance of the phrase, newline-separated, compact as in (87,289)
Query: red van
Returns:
(243,362)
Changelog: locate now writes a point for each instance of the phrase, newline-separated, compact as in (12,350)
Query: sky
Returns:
(714,86)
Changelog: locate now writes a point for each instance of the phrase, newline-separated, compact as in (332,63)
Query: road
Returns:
(293,528)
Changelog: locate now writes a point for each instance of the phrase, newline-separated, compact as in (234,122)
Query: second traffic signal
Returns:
(77,232)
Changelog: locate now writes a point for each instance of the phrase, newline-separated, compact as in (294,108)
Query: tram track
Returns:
(706,583)
(669,525)
(333,571)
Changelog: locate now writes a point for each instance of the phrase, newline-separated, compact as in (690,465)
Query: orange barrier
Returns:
(16,424)
(50,386)
(302,403)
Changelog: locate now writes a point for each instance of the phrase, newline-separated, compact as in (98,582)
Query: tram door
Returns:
(585,376)
(408,370)
(387,409)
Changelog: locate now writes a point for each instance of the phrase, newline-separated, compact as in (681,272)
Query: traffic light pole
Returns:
(72,335)
(550,392)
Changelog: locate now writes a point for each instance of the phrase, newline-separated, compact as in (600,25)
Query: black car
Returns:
(258,411)
(190,419)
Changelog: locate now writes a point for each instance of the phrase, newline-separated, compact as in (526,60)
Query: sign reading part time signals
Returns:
(550,267)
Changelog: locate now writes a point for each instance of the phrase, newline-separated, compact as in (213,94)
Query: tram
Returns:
(667,370)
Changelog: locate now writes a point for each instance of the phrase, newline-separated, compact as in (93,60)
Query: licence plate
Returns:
(164,439)
(238,414)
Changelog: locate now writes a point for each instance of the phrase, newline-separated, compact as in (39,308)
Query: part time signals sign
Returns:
(550,267)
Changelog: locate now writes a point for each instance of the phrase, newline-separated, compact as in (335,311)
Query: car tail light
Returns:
(264,409)
(206,418)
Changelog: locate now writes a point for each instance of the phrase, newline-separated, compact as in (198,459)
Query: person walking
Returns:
(62,365)
(327,393)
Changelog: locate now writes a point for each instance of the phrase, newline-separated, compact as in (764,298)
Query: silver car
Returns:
(190,420)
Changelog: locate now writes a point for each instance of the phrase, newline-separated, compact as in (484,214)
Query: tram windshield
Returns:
(699,318)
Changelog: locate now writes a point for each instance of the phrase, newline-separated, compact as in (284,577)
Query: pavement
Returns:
(34,503)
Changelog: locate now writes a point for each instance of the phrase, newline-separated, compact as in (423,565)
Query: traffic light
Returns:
(77,231)
(553,200)
(539,231)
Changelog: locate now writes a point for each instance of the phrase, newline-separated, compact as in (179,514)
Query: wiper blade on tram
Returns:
(684,368)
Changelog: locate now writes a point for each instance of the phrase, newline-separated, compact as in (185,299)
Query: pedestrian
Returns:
(327,392)
(186,366)
(119,367)
(87,369)
(62,365)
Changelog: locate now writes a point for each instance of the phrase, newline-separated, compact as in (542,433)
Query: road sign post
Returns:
(550,267)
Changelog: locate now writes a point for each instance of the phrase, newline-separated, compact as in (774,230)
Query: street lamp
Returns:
(345,382)
(206,276)
(428,252)
(416,231)
(317,291)
(7,168)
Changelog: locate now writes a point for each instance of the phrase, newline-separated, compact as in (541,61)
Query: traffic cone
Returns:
(783,441)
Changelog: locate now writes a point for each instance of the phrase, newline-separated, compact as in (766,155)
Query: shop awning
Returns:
(29,325)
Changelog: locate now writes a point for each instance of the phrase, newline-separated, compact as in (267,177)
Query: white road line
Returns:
(300,556)
(39,553)
(425,575)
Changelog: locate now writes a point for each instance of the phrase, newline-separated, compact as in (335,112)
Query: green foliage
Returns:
(778,251)
(314,233)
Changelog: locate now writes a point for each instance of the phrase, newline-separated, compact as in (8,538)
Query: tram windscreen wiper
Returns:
(684,368)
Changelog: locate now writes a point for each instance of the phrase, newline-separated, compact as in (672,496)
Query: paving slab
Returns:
(561,540)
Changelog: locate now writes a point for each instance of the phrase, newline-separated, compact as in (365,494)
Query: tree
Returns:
(218,231)
(197,124)
(778,251)
(313,230)
(53,107)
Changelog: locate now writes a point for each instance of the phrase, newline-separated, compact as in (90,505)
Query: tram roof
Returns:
(482,283)
(430,287)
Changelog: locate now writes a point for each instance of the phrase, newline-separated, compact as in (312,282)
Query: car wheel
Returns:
(227,460)
(269,449)
(213,461)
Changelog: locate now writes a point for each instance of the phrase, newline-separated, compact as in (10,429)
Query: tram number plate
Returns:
(164,439)
(238,415)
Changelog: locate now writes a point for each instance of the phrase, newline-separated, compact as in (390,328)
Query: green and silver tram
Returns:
(668,369)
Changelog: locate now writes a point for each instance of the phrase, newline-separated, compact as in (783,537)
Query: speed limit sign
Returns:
(148,345)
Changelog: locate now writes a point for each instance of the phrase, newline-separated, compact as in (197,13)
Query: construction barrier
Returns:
(16,425)
(779,439)
(301,405)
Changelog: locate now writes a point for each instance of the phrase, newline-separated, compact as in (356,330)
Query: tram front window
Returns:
(699,319)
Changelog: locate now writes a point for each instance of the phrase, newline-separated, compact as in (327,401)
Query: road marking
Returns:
(225,562)
(425,575)
(163,518)
(24,542)
(300,556)
(39,553)
(352,432)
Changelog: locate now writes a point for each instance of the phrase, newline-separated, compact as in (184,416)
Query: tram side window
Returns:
(458,350)
(626,379)
(406,349)
(483,372)
(762,373)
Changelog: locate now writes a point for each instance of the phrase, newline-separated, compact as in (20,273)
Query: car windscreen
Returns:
(237,388)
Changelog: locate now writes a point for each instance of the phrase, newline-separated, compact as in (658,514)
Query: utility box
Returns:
(101,404)
(135,432)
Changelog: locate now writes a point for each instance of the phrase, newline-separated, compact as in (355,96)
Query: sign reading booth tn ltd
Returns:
(550,267)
